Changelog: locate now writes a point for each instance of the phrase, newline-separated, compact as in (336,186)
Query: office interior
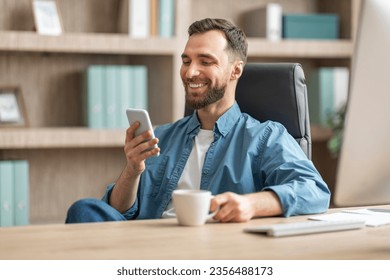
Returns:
(67,160)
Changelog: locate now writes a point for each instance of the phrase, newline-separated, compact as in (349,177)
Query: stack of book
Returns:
(14,193)
(147,18)
(327,93)
(109,90)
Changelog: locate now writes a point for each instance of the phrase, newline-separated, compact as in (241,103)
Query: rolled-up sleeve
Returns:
(129,214)
(291,175)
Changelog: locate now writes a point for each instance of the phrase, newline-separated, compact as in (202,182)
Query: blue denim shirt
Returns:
(246,156)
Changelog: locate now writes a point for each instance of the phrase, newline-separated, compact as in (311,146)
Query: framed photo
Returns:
(47,17)
(12,110)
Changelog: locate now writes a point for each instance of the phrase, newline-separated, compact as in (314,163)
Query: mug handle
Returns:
(170,213)
(211,215)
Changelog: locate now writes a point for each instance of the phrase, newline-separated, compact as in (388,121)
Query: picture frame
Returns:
(47,17)
(12,108)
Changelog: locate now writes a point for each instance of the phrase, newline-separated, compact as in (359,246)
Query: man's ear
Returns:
(238,67)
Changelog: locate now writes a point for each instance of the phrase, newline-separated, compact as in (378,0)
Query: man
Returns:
(254,169)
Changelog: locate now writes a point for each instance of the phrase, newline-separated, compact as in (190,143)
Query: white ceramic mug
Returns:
(192,206)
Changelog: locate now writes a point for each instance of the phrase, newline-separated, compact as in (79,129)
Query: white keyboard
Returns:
(305,227)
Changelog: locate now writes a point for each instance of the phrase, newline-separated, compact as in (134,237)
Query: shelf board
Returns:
(300,48)
(46,138)
(100,43)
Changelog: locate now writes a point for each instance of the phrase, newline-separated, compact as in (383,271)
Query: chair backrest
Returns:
(277,92)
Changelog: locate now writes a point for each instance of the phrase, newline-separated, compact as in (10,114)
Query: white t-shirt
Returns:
(190,178)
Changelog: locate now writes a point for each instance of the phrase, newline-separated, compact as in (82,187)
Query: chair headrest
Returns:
(275,91)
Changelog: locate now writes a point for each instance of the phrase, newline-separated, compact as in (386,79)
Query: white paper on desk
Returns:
(371,218)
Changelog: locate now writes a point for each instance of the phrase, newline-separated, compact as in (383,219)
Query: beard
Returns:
(212,95)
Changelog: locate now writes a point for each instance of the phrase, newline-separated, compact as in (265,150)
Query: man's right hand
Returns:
(138,148)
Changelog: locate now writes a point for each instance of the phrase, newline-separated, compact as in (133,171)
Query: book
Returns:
(111,96)
(140,87)
(320,95)
(341,87)
(21,192)
(139,18)
(154,8)
(93,97)
(166,18)
(6,193)
(265,22)
(327,93)
(126,80)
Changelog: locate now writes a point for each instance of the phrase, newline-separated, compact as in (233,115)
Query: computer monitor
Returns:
(363,176)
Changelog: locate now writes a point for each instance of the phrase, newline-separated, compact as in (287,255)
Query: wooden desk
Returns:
(164,239)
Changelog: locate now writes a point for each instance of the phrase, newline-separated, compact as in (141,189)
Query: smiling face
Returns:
(206,70)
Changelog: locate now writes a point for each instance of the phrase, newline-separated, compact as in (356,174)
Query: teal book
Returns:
(321,95)
(21,193)
(111,96)
(126,80)
(6,193)
(166,18)
(140,87)
(93,97)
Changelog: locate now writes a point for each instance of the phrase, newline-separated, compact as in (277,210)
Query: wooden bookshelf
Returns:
(69,161)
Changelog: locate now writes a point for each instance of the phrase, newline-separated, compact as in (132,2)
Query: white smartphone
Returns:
(142,116)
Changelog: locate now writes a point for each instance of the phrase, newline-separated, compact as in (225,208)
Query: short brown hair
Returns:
(235,37)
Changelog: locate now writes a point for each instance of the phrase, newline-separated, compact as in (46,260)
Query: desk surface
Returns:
(164,239)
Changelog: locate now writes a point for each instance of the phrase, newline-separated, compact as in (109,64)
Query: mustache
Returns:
(195,81)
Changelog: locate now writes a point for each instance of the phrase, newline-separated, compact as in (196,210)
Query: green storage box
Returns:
(311,26)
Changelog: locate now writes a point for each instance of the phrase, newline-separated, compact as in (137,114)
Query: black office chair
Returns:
(277,92)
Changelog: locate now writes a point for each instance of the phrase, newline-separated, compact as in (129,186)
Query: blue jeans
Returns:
(92,210)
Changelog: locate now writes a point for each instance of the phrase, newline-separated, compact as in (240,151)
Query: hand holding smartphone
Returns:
(142,117)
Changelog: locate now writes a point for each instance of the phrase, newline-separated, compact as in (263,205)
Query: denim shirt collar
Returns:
(223,125)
